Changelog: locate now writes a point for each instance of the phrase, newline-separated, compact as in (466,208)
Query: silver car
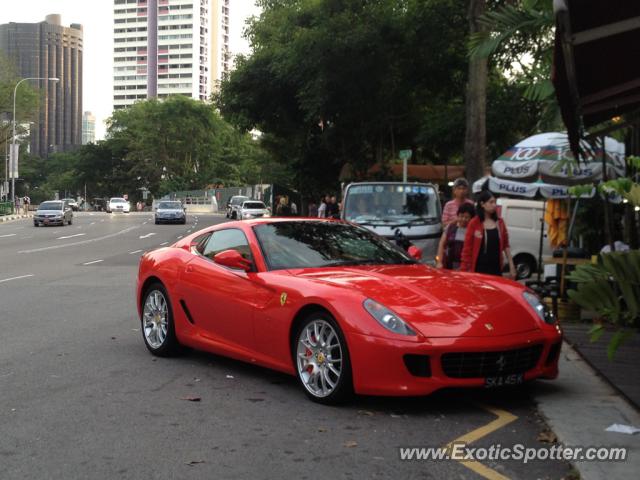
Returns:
(53,212)
(252,209)
(170,212)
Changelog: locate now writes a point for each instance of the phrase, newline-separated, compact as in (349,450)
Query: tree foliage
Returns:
(174,144)
(336,82)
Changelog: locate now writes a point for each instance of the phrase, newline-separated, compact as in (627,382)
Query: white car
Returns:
(118,204)
(252,209)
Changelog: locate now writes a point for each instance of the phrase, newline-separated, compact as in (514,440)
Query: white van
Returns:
(523,220)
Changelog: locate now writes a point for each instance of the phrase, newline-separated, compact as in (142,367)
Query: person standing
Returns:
(283,210)
(452,241)
(486,242)
(26,202)
(322,210)
(313,209)
(333,210)
(460,196)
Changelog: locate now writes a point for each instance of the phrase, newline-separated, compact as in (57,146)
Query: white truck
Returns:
(413,209)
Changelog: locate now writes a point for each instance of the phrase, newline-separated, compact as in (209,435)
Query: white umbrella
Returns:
(548,157)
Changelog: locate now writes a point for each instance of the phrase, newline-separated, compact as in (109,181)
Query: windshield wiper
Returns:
(350,263)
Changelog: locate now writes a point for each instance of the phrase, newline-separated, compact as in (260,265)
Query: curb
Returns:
(8,218)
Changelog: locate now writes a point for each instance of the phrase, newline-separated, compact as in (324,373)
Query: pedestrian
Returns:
(333,210)
(294,209)
(313,209)
(452,240)
(486,242)
(26,201)
(322,210)
(283,210)
(460,196)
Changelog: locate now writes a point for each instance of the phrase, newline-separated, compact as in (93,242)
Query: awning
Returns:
(596,69)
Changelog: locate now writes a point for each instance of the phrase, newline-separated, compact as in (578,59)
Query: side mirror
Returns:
(232,259)
(415,252)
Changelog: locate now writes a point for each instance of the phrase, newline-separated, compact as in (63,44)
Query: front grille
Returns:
(490,364)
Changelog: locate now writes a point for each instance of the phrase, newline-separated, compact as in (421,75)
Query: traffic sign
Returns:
(405,154)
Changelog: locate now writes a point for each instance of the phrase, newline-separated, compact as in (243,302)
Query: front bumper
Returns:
(379,366)
(170,219)
(48,221)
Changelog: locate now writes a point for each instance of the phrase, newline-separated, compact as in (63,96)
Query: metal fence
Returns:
(6,208)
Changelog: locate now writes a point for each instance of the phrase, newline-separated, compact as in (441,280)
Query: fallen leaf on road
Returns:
(191,398)
(194,462)
(366,413)
(547,436)
(350,444)
(322,429)
(256,399)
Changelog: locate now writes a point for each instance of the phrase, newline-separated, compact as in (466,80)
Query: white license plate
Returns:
(504,380)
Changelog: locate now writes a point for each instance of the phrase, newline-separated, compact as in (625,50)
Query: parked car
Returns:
(170,212)
(118,204)
(342,309)
(53,212)
(523,220)
(252,209)
(72,203)
(234,204)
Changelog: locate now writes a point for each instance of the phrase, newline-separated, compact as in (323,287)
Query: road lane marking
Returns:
(71,236)
(135,251)
(9,235)
(81,242)
(144,223)
(504,418)
(163,243)
(15,278)
(92,223)
(95,261)
(179,236)
(147,235)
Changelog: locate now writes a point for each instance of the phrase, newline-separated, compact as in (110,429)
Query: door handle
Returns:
(189,269)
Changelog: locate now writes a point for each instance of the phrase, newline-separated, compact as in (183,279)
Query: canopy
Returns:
(541,157)
(596,71)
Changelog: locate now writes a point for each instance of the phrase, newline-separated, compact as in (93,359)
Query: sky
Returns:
(96,17)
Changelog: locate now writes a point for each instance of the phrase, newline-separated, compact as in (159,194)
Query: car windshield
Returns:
(170,205)
(253,205)
(324,244)
(392,204)
(238,200)
(50,206)
(118,200)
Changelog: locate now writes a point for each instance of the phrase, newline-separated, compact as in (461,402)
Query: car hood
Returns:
(438,303)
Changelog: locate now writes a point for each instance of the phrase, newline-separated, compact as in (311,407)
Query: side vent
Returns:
(187,312)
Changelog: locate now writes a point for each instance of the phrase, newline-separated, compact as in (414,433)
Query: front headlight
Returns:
(540,308)
(246,215)
(387,318)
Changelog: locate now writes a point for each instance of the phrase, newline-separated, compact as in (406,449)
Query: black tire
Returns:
(36,224)
(234,216)
(184,222)
(343,389)
(170,346)
(70,221)
(525,266)
(157,222)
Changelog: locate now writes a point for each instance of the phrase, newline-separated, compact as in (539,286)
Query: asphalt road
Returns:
(81,398)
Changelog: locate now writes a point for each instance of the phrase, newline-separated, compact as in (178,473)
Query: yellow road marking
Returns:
(504,418)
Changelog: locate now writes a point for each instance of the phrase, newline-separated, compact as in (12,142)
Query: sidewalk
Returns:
(580,405)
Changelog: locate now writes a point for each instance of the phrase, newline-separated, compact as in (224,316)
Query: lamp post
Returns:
(14,151)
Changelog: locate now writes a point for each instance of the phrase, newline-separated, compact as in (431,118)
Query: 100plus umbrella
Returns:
(547,157)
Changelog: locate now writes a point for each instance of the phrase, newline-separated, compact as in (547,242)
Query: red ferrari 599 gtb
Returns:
(342,309)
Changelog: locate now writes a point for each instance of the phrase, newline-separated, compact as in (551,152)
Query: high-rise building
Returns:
(88,128)
(220,54)
(161,48)
(50,50)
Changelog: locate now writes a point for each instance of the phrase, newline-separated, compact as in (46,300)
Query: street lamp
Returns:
(14,152)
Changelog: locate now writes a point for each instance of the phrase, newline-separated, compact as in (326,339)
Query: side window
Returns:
(228,239)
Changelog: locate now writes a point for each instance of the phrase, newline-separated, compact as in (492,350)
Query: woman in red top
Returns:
(486,242)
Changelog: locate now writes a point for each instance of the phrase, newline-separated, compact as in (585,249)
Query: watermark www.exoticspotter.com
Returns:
(518,452)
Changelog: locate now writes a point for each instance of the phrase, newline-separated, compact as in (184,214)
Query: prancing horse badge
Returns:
(283,299)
